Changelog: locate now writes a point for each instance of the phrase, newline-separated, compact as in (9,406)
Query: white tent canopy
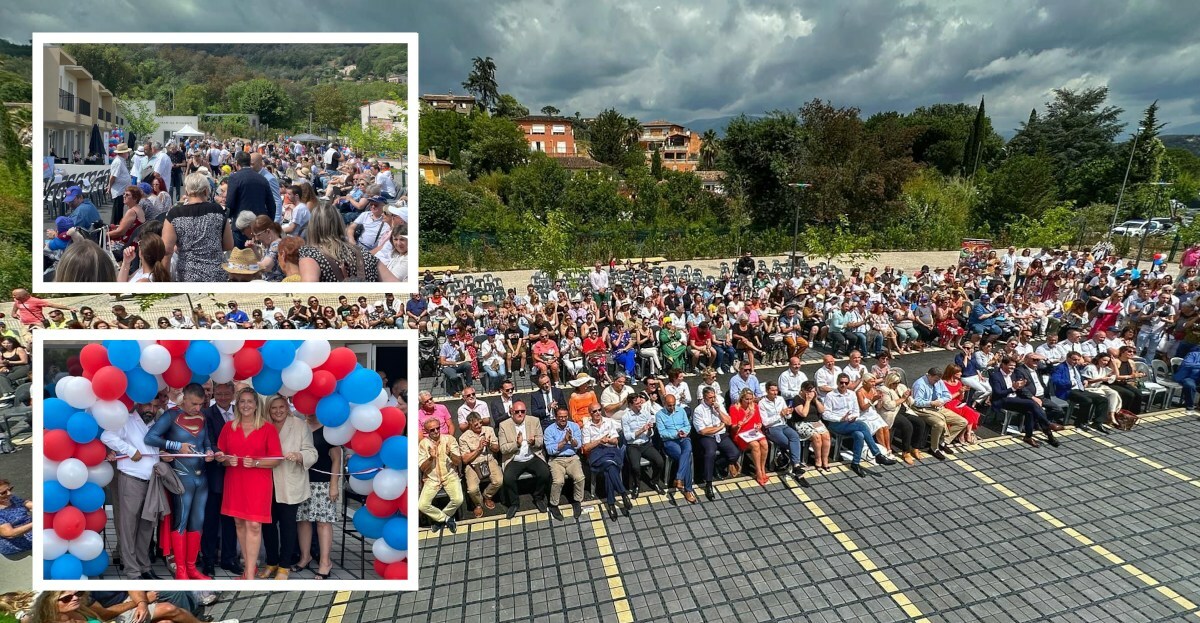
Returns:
(187,130)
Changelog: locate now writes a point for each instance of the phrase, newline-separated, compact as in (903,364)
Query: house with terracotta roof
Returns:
(432,169)
(679,146)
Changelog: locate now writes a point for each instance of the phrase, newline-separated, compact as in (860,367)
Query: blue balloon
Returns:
(394,452)
(66,567)
(395,532)
(332,410)
(358,463)
(268,381)
(47,565)
(88,498)
(199,379)
(360,386)
(278,354)
(142,386)
(367,524)
(55,497)
(202,357)
(56,412)
(82,427)
(96,566)
(124,354)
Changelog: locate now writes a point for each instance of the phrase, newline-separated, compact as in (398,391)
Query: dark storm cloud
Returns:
(709,58)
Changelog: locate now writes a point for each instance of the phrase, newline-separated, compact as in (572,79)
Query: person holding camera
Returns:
(1154,317)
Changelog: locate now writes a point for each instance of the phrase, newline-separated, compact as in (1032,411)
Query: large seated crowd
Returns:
(204,210)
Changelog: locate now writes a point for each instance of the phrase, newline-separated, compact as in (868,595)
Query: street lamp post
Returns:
(1121,195)
(796,222)
(1146,230)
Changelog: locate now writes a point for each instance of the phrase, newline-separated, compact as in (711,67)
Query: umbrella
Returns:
(95,143)
(308,138)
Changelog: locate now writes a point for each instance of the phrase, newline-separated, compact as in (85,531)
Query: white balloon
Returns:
(144,343)
(389,484)
(385,554)
(86,546)
(365,418)
(228,347)
(313,352)
(339,435)
(53,545)
(61,386)
(381,400)
(73,474)
(155,359)
(111,415)
(78,393)
(361,487)
(101,473)
(49,469)
(297,376)
(224,372)
(287,391)
(161,383)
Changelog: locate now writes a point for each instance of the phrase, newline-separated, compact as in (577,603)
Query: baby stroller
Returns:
(597,361)
(427,354)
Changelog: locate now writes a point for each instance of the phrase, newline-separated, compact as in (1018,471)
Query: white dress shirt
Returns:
(771,411)
(606,428)
(789,383)
(129,440)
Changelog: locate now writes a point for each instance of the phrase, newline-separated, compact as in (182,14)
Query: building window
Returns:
(561,147)
(537,128)
(537,146)
(559,129)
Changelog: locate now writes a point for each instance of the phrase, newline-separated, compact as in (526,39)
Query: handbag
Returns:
(1126,419)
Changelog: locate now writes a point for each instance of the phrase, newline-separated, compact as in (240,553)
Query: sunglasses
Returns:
(843,382)
(518,411)
(68,598)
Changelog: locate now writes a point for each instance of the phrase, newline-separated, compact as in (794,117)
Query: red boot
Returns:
(179,548)
(193,550)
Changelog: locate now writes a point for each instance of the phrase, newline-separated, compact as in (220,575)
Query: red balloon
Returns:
(57,445)
(48,519)
(380,507)
(323,383)
(176,347)
(93,357)
(393,424)
(255,343)
(88,374)
(178,374)
(73,360)
(69,523)
(380,568)
(75,370)
(397,571)
(127,401)
(305,402)
(91,453)
(246,363)
(95,520)
(340,363)
(109,383)
(402,504)
(366,444)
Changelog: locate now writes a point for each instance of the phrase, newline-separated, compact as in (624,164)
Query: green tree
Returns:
(656,165)
(508,106)
(441,210)
(497,144)
(1057,226)
(106,62)
(16,220)
(550,249)
(1077,128)
(550,111)
(373,141)
(331,108)
(937,212)
(594,198)
(261,97)
(761,156)
(446,132)
(973,151)
(836,241)
(609,138)
(14,153)
(192,99)
(710,150)
(1023,185)
(139,119)
(537,187)
(481,82)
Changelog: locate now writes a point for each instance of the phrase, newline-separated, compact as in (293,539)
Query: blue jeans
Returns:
(626,360)
(725,355)
(681,451)
(1189,391)
(786,436)
(860,433)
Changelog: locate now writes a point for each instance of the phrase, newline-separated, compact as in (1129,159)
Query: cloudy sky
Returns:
(712,58)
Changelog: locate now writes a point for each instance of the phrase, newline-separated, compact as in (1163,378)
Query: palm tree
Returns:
(634,132)
(710,149)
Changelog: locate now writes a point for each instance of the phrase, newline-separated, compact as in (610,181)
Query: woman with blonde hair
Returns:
(85,261)
(198,231)
(291,486)
(329,257)
(905,427)
(247,442)
(869,400)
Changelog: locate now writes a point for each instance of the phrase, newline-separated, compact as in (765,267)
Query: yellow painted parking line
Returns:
(1134,455)
(612,571)
(1113,559)
(861,557)
(338,609)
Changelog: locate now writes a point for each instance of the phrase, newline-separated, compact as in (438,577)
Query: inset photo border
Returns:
(153,347)
(47,100)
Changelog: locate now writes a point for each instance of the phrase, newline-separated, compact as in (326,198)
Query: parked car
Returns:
(1138,226)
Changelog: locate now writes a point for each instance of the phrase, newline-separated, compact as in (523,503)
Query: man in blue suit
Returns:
(543,399)
(219,532)
(1011,389)
(1067,379)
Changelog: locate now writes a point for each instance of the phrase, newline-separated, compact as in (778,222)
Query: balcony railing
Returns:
(66,100)
(85,107)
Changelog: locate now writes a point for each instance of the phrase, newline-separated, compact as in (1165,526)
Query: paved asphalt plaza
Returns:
(1100,529)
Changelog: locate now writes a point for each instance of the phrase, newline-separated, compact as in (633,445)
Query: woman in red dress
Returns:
(246,441)
(746,418)
(952,378)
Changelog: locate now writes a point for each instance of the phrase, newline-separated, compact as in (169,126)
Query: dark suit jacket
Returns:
(537,404)
(999,390)
(214,471)
(249,191)
(496,408)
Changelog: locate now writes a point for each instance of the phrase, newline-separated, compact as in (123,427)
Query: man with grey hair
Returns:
(158,160)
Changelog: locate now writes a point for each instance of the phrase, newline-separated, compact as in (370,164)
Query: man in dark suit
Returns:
(1068,383)
(1013,389)
(247,192)
(543,400)
(501,407)
(219,531)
